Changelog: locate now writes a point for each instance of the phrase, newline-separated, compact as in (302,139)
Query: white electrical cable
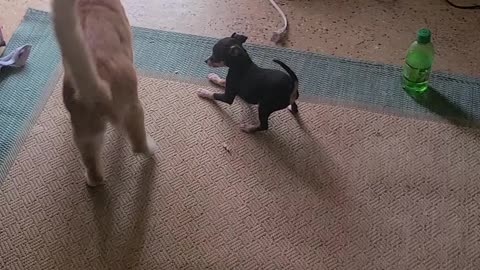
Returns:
(281,33)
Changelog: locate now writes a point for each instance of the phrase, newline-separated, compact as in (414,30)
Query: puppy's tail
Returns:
(294,78)
(75,53)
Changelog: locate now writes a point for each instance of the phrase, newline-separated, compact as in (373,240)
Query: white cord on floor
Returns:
(281,33)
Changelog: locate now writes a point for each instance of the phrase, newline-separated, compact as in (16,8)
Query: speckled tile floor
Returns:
(378,30)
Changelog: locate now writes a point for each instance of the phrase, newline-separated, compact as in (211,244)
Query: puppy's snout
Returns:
(209,62)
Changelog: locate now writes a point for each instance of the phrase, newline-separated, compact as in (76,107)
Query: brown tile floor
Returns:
(378,30)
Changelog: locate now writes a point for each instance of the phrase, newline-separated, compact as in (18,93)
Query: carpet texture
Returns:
(373,86)
(336,189)
(339,188)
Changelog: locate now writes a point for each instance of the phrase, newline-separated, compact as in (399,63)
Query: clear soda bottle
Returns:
(418,63)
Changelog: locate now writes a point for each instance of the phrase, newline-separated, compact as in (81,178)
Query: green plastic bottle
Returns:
(418,63)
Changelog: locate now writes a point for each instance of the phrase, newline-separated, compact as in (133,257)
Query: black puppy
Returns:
(271,89)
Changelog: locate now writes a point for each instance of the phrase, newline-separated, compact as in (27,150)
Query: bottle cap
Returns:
(423,36)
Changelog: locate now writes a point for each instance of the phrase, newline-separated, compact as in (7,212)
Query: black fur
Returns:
(271,89)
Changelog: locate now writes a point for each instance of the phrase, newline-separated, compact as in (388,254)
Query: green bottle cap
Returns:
(423,36)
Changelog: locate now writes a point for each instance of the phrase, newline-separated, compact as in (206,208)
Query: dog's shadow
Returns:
(308,163)
(141,212)
(103,217)
(306,159)
(104,208)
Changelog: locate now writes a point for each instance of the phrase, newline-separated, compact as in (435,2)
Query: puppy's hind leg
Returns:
(134,124)
(293,108)
(90,146)
(263,115)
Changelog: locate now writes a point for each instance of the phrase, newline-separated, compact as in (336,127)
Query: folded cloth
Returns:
(17,58)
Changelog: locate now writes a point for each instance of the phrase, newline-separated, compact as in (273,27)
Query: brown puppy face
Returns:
(225,49)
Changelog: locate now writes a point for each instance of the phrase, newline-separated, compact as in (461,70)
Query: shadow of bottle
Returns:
(438,104)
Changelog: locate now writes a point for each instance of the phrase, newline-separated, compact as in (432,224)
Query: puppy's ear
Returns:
(235,50)
(241,38)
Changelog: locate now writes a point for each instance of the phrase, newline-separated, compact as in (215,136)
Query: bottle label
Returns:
(416,75)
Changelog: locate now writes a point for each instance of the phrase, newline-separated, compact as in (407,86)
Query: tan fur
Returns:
(100,83)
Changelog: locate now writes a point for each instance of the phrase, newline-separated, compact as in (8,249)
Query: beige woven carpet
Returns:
(341,189)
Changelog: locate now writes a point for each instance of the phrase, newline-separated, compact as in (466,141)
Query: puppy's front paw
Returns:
(249,128)
(214,78)
(204,93)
